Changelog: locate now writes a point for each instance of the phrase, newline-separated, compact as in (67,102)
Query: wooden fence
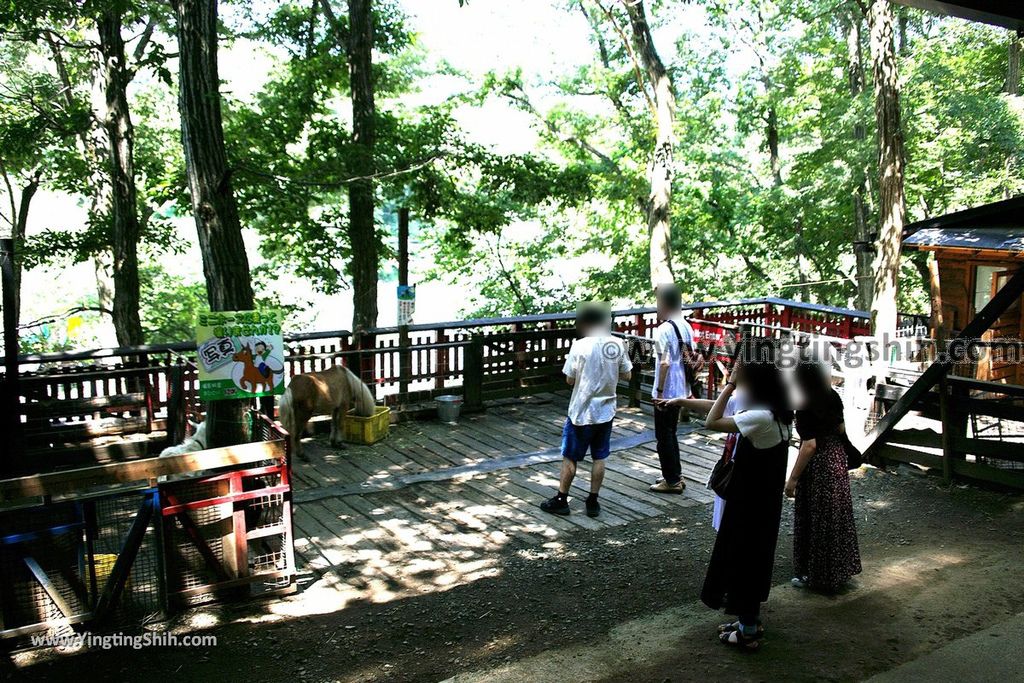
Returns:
(403,366)
(981,437)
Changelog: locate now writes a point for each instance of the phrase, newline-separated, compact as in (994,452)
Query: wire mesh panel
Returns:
(228,535)
(58,565)
(42,562)
(141,597)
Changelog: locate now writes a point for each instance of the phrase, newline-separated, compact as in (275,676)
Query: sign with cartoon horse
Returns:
(240,354)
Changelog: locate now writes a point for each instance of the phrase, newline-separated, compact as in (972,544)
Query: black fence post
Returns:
(473,374)
(176,405)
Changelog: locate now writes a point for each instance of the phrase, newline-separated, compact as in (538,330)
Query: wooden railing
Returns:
(971,443)
(433,359)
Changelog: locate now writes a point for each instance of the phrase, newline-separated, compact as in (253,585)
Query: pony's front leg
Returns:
(337,429)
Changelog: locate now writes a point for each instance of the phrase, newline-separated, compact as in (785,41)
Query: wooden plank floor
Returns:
(434,505)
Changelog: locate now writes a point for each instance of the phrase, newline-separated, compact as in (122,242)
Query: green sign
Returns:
(240,354)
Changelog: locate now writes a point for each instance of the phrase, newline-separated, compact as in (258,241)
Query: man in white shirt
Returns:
(595,364)
(673,344)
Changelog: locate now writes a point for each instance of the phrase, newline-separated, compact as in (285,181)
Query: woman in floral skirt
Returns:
(825,551)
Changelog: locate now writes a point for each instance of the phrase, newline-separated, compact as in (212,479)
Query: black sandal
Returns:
(738,639)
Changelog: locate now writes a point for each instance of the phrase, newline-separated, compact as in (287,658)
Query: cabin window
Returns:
(983,285)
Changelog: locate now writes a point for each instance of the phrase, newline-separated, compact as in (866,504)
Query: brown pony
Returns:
(328,392)
(251,374)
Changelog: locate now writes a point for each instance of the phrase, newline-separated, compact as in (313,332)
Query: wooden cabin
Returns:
(977,251)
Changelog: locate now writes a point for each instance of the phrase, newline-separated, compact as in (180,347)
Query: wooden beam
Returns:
(947,435)
(999,303)
(195,536)
(138,473)
(51,590)
(990,448)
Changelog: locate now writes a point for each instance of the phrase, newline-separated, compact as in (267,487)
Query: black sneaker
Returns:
(593,507)
(556,506)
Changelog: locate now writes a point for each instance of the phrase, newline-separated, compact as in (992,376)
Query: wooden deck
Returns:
(433,505)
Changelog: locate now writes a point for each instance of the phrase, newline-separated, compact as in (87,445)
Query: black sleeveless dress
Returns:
(739,575)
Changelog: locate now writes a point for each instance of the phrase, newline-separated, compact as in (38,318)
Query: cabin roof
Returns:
(999,13)
(998,226)
(987,238)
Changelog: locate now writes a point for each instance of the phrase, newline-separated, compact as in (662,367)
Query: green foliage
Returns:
(169,305)
(766,159)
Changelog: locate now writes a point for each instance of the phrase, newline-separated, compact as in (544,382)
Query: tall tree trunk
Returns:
(90,146)
(361,227)
(659,224)
(772,138)
(801,263)
(862,230)
(225,264)
(124,216)
(1013,59)
(20,221)
(891,162)
(1013,62)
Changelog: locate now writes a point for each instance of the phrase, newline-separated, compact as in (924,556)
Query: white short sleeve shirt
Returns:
(761,428)
(665,339)
(595,363)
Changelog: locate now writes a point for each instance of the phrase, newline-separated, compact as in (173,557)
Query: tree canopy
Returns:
(766,108)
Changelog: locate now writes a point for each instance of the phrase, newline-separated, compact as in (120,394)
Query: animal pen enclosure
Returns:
(97,529)
(115,543)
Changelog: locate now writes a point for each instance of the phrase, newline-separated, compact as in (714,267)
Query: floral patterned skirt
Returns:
(824,534)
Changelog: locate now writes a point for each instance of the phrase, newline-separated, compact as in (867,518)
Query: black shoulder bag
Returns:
(692,362)
(721,476)
(854,458)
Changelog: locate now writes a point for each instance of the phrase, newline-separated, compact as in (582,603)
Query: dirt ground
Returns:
(939,563)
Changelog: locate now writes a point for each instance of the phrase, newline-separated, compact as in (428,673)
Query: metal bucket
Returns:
(448,408)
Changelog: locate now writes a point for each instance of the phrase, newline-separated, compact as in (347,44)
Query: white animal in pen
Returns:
(191,444)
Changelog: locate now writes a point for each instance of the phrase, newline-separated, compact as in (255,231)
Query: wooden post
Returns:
(787,317)
(519,357)
(404,354)
(712,375)
(441,364)
(947,436)
(473,374)
(176,406)
(366,361)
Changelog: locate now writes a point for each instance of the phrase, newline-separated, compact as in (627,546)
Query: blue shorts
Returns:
(578,439)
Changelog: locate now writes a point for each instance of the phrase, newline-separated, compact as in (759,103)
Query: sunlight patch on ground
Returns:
(912,569)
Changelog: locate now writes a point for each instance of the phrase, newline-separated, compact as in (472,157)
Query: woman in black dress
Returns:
(739,575)
(825,552)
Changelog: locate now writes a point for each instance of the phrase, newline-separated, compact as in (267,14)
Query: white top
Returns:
(665,339)
(735,404)
(595,362)
(761,428)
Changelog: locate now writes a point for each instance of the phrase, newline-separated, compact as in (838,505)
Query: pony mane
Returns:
(363,402)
